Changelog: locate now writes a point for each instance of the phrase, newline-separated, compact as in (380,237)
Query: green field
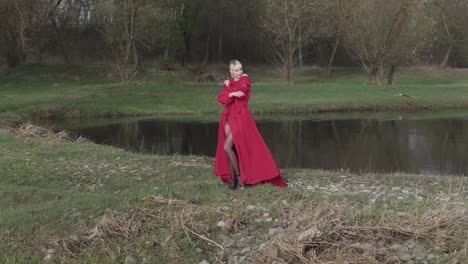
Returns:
(52,92)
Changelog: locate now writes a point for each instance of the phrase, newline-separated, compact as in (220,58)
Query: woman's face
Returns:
(236,72)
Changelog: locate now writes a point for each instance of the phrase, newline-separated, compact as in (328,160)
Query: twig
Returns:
(405,95)
(203,237)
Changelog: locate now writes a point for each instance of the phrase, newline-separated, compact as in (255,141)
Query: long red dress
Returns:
(255,161)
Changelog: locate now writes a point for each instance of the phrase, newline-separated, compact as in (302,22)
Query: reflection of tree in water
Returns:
(449,143)
(292,151)
(127,136)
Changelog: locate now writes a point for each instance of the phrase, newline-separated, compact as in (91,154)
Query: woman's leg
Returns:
(232,158)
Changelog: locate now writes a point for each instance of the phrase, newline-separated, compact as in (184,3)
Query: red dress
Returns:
(255,161)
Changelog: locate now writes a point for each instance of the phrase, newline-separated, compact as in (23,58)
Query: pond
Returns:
(423,146)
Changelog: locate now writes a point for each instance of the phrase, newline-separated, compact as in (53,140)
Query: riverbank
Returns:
(64,199)
(34,92)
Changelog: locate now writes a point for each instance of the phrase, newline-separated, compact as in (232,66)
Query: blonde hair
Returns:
(235,64)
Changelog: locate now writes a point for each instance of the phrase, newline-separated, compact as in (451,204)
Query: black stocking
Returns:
(232,157)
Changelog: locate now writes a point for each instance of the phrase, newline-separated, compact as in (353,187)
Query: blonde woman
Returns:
(242,157)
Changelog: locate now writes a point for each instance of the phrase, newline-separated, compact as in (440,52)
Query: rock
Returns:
(223,237)
(245,250)
(246,239)
(261,247)
(49,258)
(130,260)
(273,231)
(228,243)
(221,224)
(204,262)
(309,234)
(410,243)
(242,259)
(405,257)
(198,250)
(250,207)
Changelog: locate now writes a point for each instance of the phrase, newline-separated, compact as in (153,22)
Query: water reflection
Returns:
(416,146)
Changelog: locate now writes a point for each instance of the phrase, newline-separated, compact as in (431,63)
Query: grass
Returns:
(45,92)
(75,202)
(53,190)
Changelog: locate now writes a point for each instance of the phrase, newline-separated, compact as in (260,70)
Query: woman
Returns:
(242,156)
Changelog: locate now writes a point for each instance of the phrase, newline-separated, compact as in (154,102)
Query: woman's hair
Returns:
(235,64)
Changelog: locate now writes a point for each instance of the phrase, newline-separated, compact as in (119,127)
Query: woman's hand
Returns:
(226,82)
(236,94)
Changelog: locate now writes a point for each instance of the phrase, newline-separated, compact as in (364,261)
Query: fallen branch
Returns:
(203,237)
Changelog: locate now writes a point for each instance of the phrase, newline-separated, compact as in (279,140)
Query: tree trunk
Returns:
(374,69)
(288,70)
(390,74)
(327,73)
(51,17)
(12,59)
(444,63)
(220,46)
(207,50)
(13,54)
(66,56)
(166,52)
(187,48)
(301,63)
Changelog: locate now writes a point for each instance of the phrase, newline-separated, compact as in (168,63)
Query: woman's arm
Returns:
(245,84)
(223,96)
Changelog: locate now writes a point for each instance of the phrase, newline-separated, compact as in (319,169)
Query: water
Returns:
(430,146)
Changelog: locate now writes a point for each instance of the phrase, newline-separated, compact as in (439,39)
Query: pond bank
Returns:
(82,202)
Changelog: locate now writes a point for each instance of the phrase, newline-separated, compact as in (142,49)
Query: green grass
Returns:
(35,91)
(53,189)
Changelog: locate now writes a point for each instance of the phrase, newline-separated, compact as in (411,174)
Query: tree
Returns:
(127,26)
(450,21)
(21,20)
(183,17)
(374,32)
(332,34)
(290,25)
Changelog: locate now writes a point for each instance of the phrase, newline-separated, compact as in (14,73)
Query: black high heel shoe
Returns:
(233,182)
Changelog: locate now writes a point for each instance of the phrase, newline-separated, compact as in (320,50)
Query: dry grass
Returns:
(28,130)
(322,235)
(319,234)
(158,226)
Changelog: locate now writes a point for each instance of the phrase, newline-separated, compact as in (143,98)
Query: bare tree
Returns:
(21,20)
(333,33)
(290,25)
(373,32)
(127,25)
(450,21)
